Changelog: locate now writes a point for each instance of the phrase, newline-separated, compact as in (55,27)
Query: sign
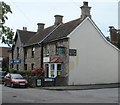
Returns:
(46,59)
(72,52)
(39,82)
(16,61)
(49,79)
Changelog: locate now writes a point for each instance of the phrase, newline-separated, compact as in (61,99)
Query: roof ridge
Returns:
(26,31)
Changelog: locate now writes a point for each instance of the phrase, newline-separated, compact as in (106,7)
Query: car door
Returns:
(8,79)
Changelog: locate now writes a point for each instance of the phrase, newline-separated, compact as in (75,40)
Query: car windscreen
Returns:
(16,76)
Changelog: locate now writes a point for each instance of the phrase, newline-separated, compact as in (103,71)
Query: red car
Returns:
(15,80)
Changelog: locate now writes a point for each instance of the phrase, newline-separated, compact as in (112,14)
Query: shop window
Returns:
(59,69)
(52,70)
(60,51)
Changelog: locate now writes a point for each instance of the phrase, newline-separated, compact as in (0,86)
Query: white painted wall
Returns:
(96,61)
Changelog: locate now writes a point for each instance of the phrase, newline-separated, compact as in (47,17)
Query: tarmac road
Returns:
(37,95)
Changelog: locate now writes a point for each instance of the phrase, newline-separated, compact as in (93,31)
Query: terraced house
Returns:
(75,52)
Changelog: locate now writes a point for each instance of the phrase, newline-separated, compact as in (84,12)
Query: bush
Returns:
(39,72)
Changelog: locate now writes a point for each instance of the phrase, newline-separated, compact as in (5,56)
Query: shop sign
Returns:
(49,79)
(72,52)
(46,59)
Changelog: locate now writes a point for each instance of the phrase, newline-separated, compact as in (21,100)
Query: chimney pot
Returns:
(58,19)
(24,28)
(85,3)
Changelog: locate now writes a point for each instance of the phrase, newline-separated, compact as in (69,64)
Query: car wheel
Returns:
(12,85)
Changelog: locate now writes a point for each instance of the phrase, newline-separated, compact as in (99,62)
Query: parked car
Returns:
(15,80)
(2,75)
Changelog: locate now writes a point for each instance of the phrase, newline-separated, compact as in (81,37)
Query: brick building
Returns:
(4,57)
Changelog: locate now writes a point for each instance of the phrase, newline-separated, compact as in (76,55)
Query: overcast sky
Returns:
(27,13)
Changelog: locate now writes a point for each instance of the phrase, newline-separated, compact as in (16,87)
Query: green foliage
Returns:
(6,33)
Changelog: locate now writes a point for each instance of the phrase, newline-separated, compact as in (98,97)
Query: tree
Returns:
(6,33)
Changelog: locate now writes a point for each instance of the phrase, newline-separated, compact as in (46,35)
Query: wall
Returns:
(51,48)
(4,57)
(36,60)
(96,61)
(119,15)
(21,55)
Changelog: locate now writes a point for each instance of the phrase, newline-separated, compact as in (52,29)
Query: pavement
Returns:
(81,87)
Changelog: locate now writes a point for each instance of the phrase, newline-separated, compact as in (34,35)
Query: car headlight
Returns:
(26,82)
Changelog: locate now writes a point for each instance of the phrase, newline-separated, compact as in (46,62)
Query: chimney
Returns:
(113,35)
(40,26)
(58,19)
(24,28)
(85,10)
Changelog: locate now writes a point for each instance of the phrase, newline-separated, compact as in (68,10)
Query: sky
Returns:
(27,13)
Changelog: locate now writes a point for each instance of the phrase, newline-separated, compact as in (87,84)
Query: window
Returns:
(46,50)
(25,67)
(33,51)
(17,67)
(32,66)
(59,67)
(25,52)
(52,70)
(17,52)
(60,51)
(52,67)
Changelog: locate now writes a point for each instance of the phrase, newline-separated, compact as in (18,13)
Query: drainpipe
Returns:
(41,55)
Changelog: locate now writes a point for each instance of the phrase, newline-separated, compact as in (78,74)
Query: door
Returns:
(47,70)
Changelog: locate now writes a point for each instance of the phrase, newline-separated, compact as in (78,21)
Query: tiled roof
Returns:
(40,35)
(56,60)
(63,30)
(48,34)
(25,35)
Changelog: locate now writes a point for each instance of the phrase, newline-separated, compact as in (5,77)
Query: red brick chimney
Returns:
(113,35)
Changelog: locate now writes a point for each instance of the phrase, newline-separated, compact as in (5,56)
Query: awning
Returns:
(56,60)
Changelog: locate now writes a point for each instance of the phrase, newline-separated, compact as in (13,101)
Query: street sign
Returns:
(72,52)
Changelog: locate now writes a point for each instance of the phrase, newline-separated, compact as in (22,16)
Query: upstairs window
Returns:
(60,50)
(17,52)
(33,52)
(25,52)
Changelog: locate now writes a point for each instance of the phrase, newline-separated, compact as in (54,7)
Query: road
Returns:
(34,95)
